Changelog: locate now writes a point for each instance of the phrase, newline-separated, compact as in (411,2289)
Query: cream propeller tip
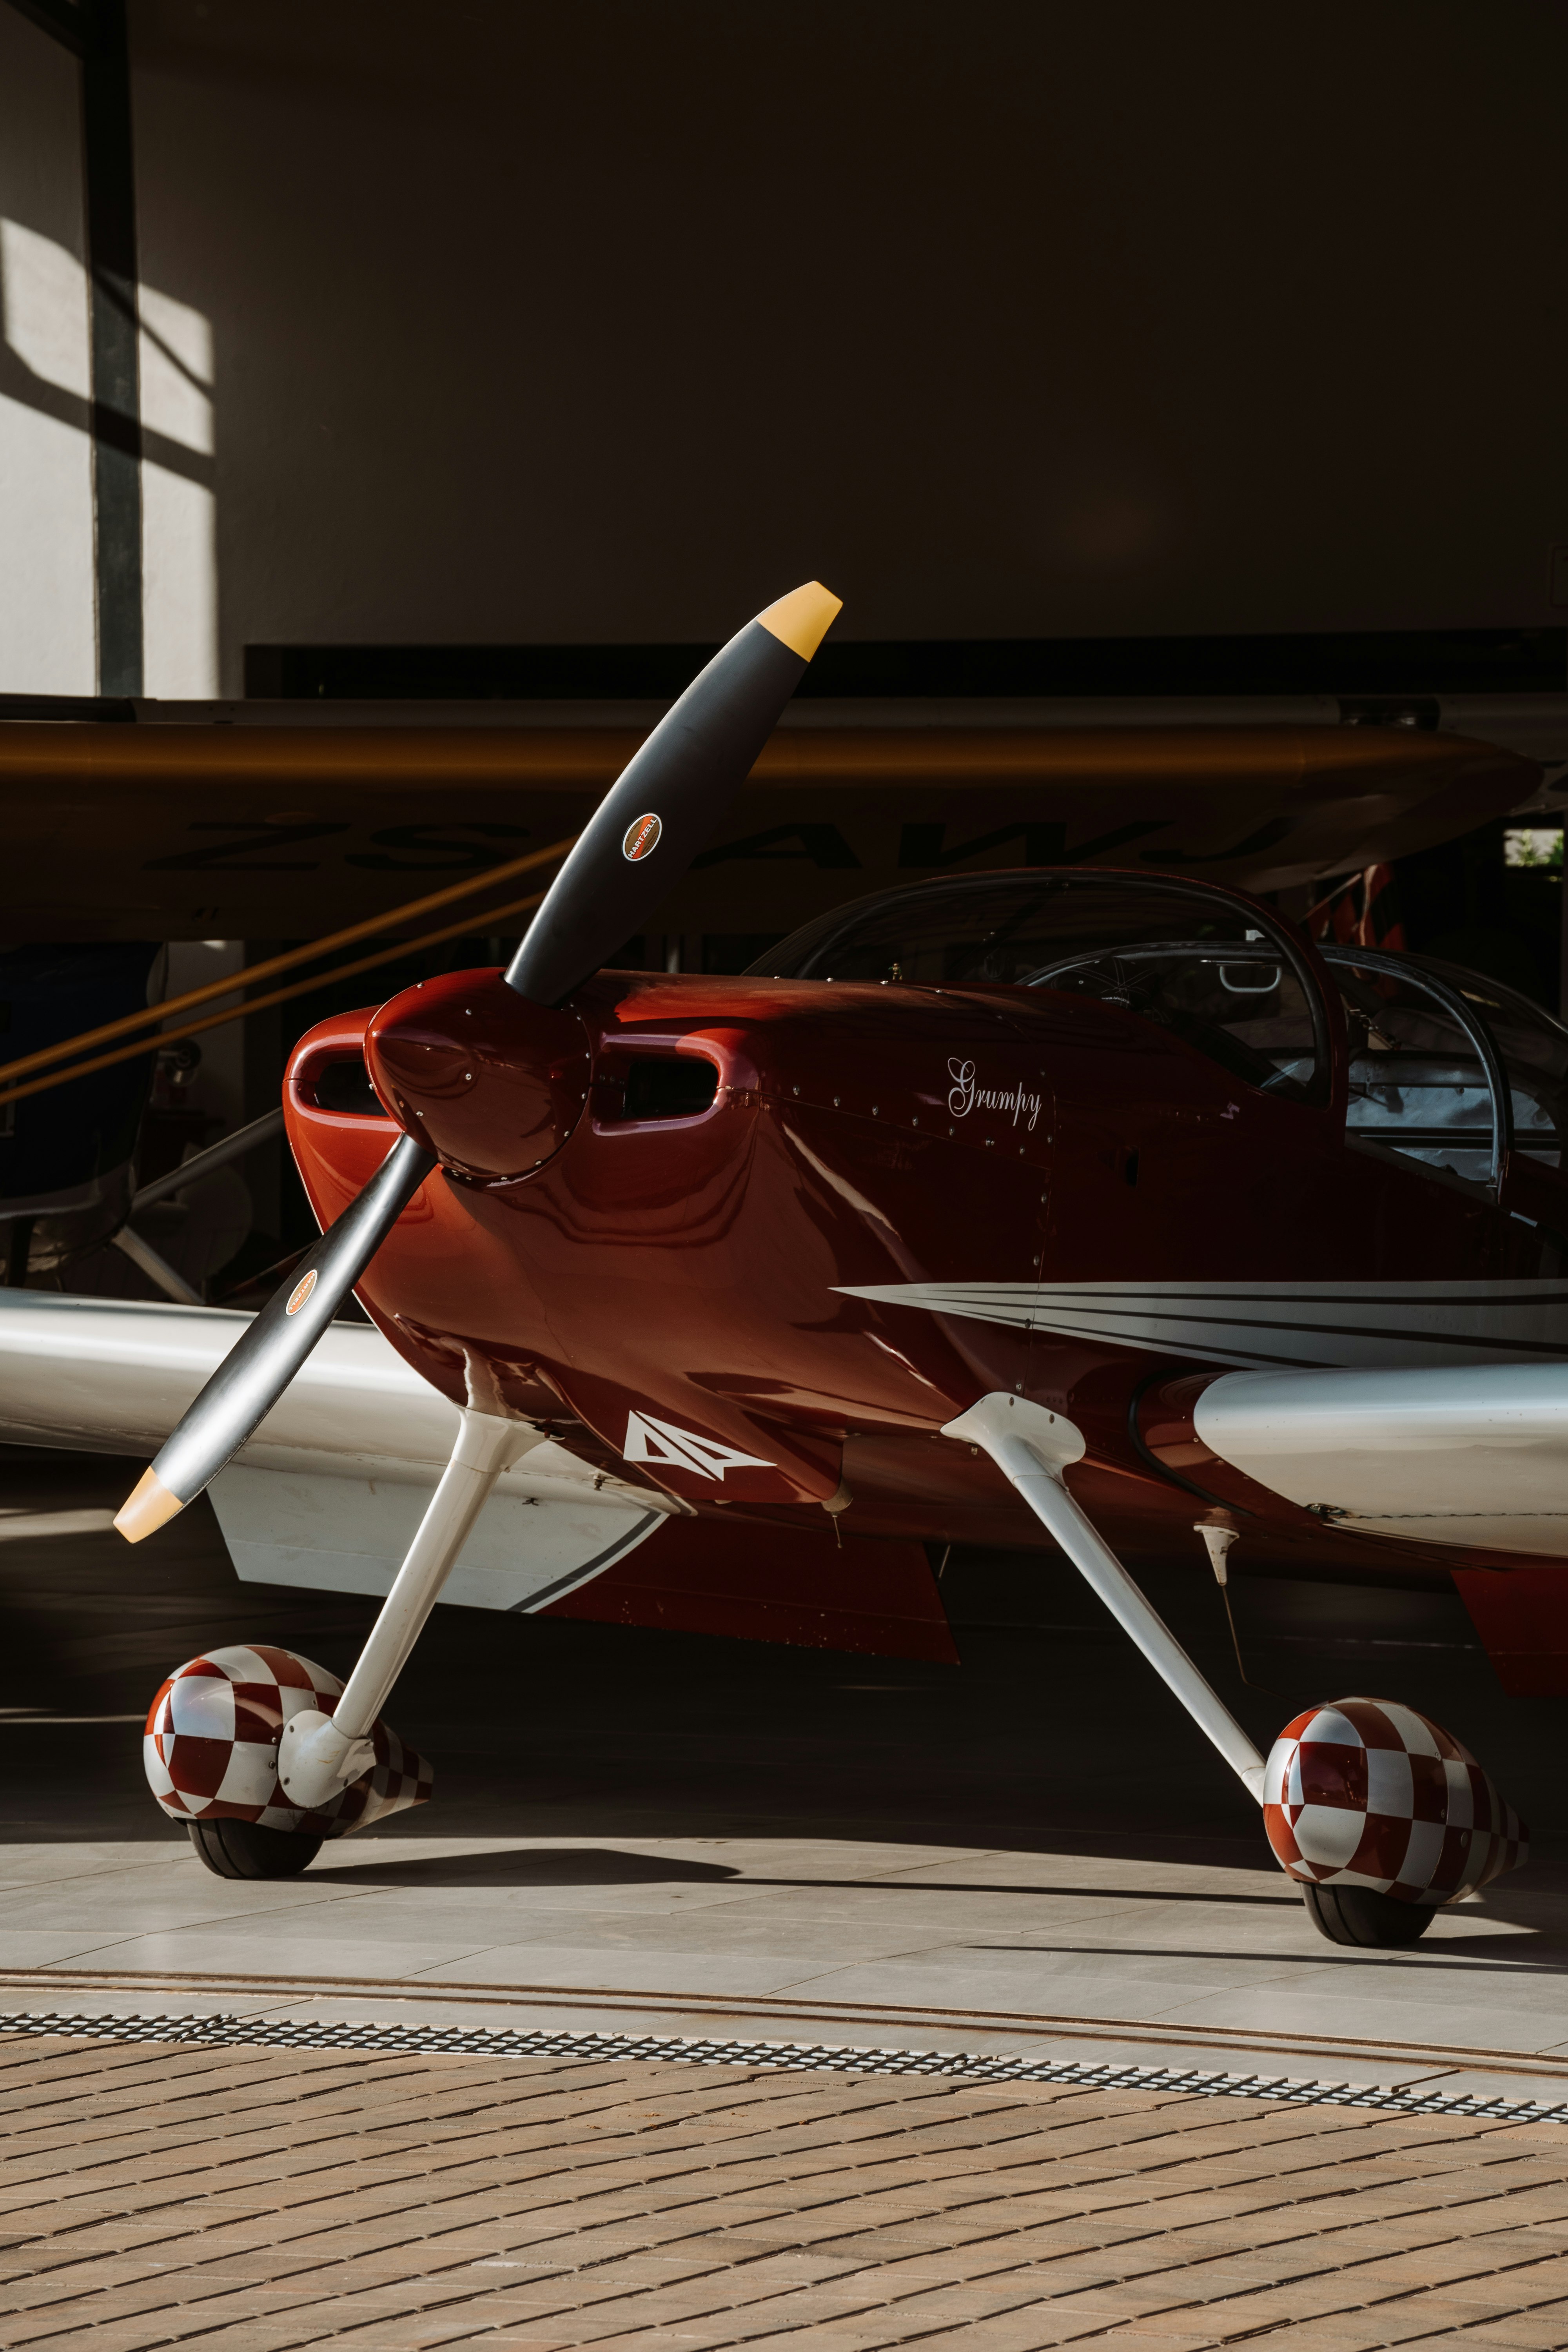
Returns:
(802,618)
(147,1507)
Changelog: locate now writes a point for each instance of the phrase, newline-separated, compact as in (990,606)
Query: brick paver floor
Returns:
(253,2200)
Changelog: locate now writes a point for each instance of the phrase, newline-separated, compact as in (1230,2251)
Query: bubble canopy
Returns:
(1219,971)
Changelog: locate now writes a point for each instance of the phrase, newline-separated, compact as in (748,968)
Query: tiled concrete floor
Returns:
(1020,1949)
(1031,1849)
(255,2201)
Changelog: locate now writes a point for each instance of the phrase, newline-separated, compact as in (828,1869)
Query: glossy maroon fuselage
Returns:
(693,1268)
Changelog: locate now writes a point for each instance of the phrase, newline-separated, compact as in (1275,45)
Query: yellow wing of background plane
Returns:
(252,820)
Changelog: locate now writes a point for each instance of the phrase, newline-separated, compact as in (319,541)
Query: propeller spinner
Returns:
(644,835)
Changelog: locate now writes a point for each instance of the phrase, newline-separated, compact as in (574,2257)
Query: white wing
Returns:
(329,1489)
(1471,1454)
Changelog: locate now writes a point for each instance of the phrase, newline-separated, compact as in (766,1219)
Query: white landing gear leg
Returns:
(1031,1447)
(319,1754)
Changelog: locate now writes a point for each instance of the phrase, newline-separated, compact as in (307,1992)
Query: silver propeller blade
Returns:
(261,1363)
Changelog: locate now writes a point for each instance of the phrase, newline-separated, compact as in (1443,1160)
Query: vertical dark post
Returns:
(266,1053)
(111,210)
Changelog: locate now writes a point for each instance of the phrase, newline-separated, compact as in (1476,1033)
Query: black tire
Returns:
(1354,1915)
(245,1849)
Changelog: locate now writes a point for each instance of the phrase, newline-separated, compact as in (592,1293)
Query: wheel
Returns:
(245,1849)
(1354,1915)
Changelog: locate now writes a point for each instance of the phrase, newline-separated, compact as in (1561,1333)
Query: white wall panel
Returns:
(47,627)
(179,540)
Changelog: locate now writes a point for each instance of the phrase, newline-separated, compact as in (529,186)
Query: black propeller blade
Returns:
(644,835)
(653,821)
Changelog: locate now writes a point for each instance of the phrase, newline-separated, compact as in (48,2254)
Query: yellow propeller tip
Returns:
(149,1507)
(802,618)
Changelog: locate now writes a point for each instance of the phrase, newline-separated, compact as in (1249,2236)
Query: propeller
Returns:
(640,840)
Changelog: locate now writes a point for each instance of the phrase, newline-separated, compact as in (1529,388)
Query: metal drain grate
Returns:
(810,2057)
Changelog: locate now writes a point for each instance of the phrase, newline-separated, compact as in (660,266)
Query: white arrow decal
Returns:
(659,1440)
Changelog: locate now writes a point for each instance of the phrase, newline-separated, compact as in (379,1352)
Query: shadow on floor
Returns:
(1053,1737)
(527,1866)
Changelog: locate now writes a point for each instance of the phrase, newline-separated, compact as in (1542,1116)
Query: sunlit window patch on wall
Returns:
(178,510)
(47,643)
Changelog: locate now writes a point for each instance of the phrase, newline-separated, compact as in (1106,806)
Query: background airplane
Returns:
(149,839)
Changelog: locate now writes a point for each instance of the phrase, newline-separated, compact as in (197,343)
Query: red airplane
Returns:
(1101,1202)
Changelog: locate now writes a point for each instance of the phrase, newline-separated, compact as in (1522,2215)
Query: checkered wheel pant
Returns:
(1366,1792)
(211,1746)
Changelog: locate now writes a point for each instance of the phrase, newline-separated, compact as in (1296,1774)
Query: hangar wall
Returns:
(598,323)
(46,625)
